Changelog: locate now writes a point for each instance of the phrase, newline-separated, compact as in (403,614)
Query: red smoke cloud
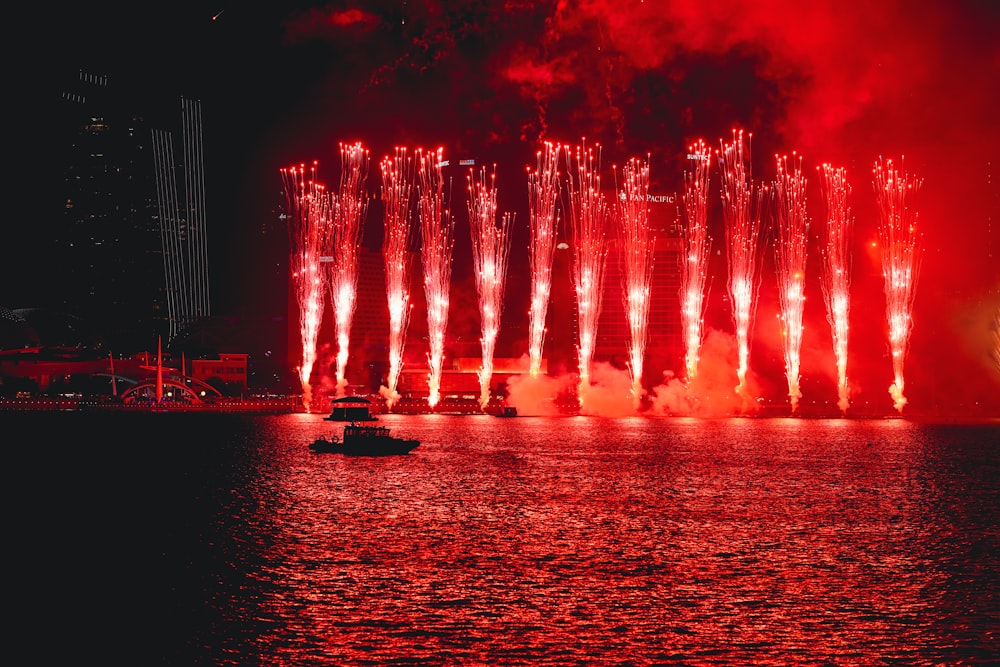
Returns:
(329,24)
(833,82)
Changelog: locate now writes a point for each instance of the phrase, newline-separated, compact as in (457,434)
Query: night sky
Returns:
(908,80)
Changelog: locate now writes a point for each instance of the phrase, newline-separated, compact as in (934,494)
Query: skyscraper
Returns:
(182,220)
(106,263)
(663,346)
(129,254)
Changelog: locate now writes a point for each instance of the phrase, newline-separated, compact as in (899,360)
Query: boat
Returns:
(364,440)
(323,445)
(351,409)
(507,411)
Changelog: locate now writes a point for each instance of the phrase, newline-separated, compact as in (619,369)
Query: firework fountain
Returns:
(343,241)
(694,261)
(836,283)
(742,220)
(899,238)
(436,243)
(589,214)
(397,188)
(543,195)
(310,211)
(995,333)
(490,251)
(792,220)
(637,247)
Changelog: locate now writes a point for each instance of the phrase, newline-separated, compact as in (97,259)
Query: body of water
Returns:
(199,539)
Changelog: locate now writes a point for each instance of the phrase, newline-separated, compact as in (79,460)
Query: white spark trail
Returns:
(436,243)
(638,244)
(694,262)
(901,250)
(310,214)
(397,190)
(589,216)
(343,246)
(543,196)
(836,254)
(742,220)
(490,250)
(792,219)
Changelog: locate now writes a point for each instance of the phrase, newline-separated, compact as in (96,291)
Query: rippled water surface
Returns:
(222,540)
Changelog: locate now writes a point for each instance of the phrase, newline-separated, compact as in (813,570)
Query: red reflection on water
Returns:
(547,541)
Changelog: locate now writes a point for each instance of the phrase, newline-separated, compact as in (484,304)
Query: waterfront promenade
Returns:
(262,405)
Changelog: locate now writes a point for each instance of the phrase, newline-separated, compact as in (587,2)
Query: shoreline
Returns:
(293,405)
(237,405)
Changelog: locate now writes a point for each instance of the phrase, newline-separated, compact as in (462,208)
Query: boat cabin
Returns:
(351,409)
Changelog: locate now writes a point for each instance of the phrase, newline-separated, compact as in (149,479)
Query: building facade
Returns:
(107,258)
(129,251)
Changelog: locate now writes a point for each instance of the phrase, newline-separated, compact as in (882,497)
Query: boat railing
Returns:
(359,430)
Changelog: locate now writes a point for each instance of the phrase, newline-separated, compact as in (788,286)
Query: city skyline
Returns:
(489,80)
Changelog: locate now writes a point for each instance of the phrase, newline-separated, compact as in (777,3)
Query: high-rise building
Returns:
(664,345)
(107,267)
(369,353)
(117,252)
(663,329)
(182,213)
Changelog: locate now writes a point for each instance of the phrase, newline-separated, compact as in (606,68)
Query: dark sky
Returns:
(835,82)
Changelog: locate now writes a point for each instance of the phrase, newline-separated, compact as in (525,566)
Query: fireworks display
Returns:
(490,252)
(416,184)
(543,197)
(792,221)
(741,209)
(898,237)
(343,243)
(589,213)
(498,83)
(637,252)
(694,261)
(436,242)
(397,189)
(836,273)
(311,207)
